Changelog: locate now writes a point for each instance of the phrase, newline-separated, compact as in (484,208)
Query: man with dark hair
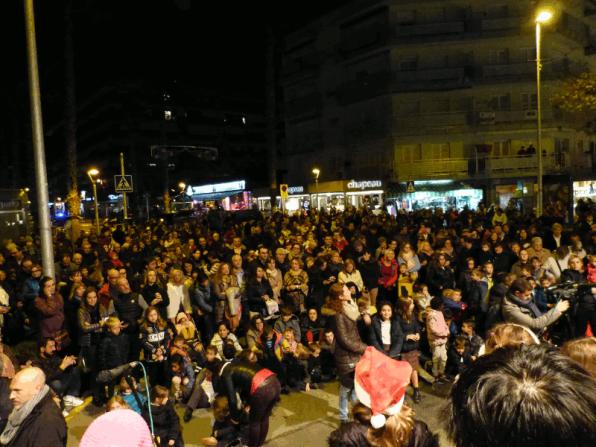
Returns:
(531,396)
(518,307)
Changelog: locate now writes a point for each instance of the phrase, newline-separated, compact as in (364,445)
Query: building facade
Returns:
(438,91)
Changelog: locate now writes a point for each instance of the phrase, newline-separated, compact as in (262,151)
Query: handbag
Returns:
(272,307)
(233,300)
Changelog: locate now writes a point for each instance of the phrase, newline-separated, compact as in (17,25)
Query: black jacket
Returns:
(254,292)
(165,422)
(236,380)
(113,351)
(129,311)
(397,336)
(410,328)
(149,290)
(44,427)
(5,403)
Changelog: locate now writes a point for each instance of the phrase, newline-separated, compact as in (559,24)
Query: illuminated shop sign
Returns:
(295,189)
(364,184)
(217,187)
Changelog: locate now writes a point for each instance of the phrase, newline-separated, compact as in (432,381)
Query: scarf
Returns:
(530,305)
(351,310)
(18,415)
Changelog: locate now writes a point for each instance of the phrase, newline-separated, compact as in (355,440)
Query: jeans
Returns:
(68,383)
(346,394)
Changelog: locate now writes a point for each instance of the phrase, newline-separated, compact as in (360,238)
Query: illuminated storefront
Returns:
(584,189)
(435,194)
(339,194)
(298,199)
(231,196)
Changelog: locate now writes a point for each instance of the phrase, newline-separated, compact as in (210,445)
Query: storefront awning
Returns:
(215,195)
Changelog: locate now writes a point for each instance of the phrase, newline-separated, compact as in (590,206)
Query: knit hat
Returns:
(380,384)
(117,428)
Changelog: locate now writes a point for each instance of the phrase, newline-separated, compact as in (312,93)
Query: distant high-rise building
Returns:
(438,92)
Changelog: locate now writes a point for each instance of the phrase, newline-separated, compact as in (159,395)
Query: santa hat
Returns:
(381,384)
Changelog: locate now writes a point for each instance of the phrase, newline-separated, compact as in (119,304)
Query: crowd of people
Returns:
(228,314)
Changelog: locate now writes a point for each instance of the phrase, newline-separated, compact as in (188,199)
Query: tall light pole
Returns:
(92,173)
(41,176)
(542,17)
(316,172)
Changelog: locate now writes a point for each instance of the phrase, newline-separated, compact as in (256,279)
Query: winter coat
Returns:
(254,293)
(436,328)
(439,279)
(348,345)
(201,300)
(44,427)
(281,325)
(51,314)
(148,292)
(396,334)
(113,351)
(410,328)
(456,362)
(355,277)
(152,338)
(370,273)
(129,310)
(166,423)
(89,325)
(514,313)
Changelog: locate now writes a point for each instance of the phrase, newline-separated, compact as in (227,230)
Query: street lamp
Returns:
(543,16)
(316,172)
(92,173)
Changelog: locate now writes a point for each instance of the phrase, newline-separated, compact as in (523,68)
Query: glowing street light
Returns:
(92,173)
(316,172)
(543,16)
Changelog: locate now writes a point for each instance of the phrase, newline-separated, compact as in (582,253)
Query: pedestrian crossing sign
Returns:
(123,183)
(410,187)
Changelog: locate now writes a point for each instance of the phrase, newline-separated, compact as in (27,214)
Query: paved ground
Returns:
(301,419)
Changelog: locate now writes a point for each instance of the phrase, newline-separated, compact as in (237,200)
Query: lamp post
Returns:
(542,17)
(316,172)
(91,173)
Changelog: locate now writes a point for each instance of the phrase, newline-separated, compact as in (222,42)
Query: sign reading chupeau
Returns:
(361,185)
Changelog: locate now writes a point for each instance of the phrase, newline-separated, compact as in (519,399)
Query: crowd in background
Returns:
(207,305)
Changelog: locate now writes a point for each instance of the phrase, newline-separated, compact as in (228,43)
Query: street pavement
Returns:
(300,419)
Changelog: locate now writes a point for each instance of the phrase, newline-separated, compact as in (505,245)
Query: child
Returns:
(438,334)
(203,392)
(155,340)
(475,342)
(294,360)
(591,269)
(185,327)
(183,378)
(288,319)
(315,366)
(116,403)
(165,420)
(422,298)
(112,352)
(405,282)
(458,358)
(130,395)
(225,432)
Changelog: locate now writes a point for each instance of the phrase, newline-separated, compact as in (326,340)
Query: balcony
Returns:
(501,24)
(482,166)
(368,87)
(429,29)
(354,42)
(431,80)
(430,121)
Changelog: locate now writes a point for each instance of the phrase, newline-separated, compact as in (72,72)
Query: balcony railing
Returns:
(481,166)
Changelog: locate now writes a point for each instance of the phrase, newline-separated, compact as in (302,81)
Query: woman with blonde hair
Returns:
(583,351)
(178,295)
(227,291)
(508,335)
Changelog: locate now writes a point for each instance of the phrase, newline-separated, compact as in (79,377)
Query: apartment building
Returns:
(438,92)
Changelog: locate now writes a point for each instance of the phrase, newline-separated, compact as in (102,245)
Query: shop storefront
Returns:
(298,199)
(231,196)
(435,194)
(584,190)
(340,194)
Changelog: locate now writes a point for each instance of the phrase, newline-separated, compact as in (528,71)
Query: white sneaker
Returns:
(73,401)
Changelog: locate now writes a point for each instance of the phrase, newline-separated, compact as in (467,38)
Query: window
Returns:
(405,17)
(528,54)
(440,150)
(529,101)
(409,153)
(502,149)
(408,63)
(498,56)
(502,102)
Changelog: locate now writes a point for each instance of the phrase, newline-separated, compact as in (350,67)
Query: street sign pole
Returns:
(124,202)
